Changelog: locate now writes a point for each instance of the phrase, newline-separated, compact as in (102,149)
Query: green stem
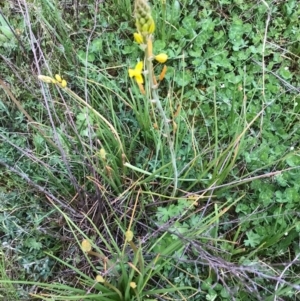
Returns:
(137,294)
(155,98)
(114,288)
(164,19)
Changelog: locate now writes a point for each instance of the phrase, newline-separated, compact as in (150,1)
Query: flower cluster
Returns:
(58,80)
(143,19)
(145,26)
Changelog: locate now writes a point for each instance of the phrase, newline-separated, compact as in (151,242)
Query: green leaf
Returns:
(184,79)
(293,160)
(33,244)
(159,46)
(96,45)
(253,239)
(6,31)
(285,73)
(162,214)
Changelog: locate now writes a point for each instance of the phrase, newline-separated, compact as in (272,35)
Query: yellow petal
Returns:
(132,285)
(139,78)
(58,78)
(162,57)
(138,38)
(139,67)
(86,246)
(132,72)
(46,79)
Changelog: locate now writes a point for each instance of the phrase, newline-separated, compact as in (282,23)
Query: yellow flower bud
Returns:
(142,89)
(151,26)
(46,79)
(86,246)
(63,83)
(161,58)
(102,153)
(132,285)
(150,47)
(58,78)
(145,28)
(142,21)
(163,73)
(138,38)
(129,235)
(100,279)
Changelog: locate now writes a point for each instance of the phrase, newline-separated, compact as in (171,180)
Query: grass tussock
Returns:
(149,151)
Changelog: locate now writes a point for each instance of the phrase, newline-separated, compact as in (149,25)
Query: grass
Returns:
(185,190)
(7,289)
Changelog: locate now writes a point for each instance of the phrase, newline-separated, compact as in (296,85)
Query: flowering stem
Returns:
(102,257)
(137,294)
(155,97)
(133,246)
(93,253)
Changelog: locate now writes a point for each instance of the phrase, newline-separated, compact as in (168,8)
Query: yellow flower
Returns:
(129,235)
(86,246)
(137,72)
(46,79)
(162,57)
(132,285)
(138,37)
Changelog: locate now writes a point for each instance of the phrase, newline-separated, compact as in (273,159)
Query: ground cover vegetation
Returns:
(149,150)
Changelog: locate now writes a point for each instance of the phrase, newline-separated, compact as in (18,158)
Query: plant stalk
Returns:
(155,98)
